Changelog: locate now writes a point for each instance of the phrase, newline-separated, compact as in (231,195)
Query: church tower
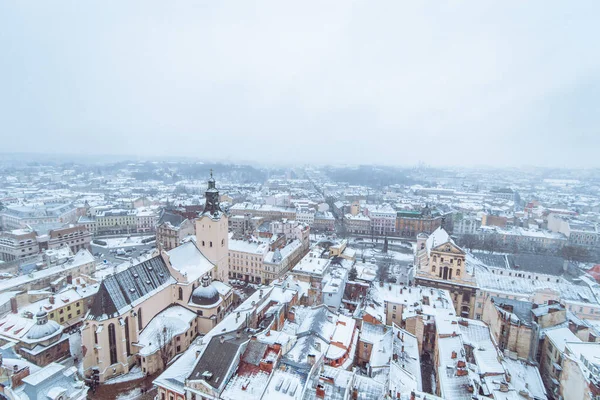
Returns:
(212,232)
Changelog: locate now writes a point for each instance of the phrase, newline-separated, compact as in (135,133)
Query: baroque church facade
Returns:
(441,263)
(127,316)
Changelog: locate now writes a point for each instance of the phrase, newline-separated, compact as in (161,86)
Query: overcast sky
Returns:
(398,82)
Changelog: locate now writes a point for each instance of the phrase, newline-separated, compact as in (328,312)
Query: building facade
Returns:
(440,263)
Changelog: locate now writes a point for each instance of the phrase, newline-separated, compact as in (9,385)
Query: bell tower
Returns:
(212,232)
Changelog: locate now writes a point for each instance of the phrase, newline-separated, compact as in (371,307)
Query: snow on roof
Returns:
(525,287)
(437,237)
(189,260)
(81,258)
(43,374)
(477,335)
(253,245)
(559,337)
(173,378)
(312,263)
(286,383)
(176,319)
(370,333)
(248,387)
(343,334)
(406,346)
(452,385)
(525,377)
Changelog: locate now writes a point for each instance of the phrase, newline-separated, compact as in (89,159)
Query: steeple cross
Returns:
(211,172)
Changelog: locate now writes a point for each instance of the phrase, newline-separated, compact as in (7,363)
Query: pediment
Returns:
(449,247)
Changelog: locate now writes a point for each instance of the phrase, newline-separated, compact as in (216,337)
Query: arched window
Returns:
(433,268)
(127,336)
(140,319)
(180,294)
(458,272)
(222,242)
(210,244)
(203,244)
(422,246)
(458,261)
(112,344)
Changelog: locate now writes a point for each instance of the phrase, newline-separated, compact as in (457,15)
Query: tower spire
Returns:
(212,197)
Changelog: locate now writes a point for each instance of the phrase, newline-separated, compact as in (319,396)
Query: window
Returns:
(127,337)
(203,244)
(140,319)
(210,244)
(393,316)
(112,343)
(180,294)
(458,272)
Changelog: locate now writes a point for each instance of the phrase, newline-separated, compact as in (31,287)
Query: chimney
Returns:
(13,305)
(51,299)
(222,339)
(454,355)
(320,392)
(260,295)
(311,359)
(197,353)
(355,393)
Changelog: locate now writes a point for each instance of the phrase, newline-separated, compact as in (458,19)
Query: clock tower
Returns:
(212,232)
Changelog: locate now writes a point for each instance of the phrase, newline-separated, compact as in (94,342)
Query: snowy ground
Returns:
(76,358)
(132,394)
(134,373)
(127,241)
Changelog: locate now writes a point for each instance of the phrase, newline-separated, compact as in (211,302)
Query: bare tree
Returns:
(164,340)
(383,269)
(575,253)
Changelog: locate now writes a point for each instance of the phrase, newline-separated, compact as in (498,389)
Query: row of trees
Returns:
(493,244)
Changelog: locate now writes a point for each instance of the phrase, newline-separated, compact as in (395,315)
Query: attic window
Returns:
(161,274)
(132,290)
(136,276)
(147,282)
(150,268)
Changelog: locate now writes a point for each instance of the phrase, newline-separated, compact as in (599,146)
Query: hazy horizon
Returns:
(389,83)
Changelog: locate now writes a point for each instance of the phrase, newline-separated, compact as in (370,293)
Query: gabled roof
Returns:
(120,291)
(437,238)
(217,359)
(171,217)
